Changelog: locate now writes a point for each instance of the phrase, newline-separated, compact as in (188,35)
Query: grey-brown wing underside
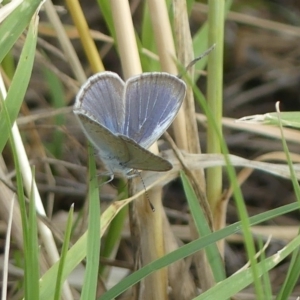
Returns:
(142,159)
(120,149)
(108,144)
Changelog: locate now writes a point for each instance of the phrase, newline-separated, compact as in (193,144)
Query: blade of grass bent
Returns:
(294,270)
(78,251)
(191,248)
(238,196)
(235,283)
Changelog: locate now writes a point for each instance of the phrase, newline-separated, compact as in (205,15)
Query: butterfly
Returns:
(123,119)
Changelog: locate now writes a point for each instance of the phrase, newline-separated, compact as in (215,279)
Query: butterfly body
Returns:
(122,119)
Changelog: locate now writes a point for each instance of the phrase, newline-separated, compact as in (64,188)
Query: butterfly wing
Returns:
(113,151)
(152,101)
(102,97)
(122,120)
(142,159)
(120,153)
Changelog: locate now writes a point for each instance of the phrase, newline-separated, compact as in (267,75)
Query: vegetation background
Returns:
(205,229)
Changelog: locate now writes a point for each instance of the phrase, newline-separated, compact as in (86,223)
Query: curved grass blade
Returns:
(19,84)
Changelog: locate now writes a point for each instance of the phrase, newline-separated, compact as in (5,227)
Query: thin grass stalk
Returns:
(6,193)
(167,57)
(6,251)
(148,225)
(85,35)
(185,56)
(111,244)
(28,222)
(192,247)
(41,153)
(214,100)
(293,271)
(65,42)
(33,246)
(126,41)
(167,54)
(45,232)
(89,288)
(152,244)
(64,251)
(164,51)
(238,200)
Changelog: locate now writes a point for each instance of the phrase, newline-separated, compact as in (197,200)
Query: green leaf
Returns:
(203,229)
(19,84)
(290,118)
(238,281)
(191,248)
(64,251)
(93,239)
(13,26)
(32,256)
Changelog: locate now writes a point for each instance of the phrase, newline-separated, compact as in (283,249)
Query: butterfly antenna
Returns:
(146,193)
(197,59)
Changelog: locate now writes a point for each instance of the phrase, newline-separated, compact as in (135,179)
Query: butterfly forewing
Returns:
(152,101)
(102,97)
(142,159)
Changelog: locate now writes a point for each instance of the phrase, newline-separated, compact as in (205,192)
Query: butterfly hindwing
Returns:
(142,159)
(109,145)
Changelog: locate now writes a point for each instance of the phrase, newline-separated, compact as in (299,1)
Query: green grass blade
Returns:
(203,229)
(21,196)
(77,253)
(114,233)
(106,12)
(237,193)
(8,65)
(19,84)
(289,118)
(148,42)
(57,99)
(200,42)
(64,251)
(294,270)
(235,283)
(291,278)
(191,248)
(32,256)
(13,26)
(93,239)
